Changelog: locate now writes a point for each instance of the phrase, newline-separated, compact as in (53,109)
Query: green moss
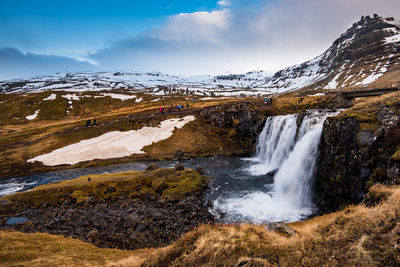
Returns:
(166,183)
(368,117)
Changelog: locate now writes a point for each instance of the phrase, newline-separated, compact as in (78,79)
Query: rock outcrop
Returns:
(240,117)
(359,149)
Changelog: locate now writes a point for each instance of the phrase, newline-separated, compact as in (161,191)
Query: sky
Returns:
(172,36)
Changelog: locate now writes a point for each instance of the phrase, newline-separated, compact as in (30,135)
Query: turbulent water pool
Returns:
(274,185)
(232,179)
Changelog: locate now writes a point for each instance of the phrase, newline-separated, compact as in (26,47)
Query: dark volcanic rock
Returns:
(238,116)
(124,221)
(355,156)
(201,170)
(179,167)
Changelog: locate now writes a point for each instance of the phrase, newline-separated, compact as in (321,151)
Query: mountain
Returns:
(365,53)
(361,55)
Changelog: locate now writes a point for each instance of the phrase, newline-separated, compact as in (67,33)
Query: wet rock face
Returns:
(123,222)
(354,157)
(237,116)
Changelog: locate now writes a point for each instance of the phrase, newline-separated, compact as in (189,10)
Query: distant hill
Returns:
(365,53)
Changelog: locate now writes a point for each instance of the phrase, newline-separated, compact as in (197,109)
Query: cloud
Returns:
(194,27)
(15,64)
(224,3)
(243,35)
(238,36)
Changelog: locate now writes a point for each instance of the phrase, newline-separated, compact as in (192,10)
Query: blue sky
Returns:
(74,28)
(177,37)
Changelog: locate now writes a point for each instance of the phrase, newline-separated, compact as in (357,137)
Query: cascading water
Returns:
(289,197)
(274,144)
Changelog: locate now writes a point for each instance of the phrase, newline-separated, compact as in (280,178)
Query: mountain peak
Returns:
(361,55)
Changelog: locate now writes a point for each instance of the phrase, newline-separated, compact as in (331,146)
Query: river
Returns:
(274,185)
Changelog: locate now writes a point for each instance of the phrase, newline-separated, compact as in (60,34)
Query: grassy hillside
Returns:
(61,122)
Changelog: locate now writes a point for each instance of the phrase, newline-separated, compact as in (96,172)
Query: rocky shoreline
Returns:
(131,220)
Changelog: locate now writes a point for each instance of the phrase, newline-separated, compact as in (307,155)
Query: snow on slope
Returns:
(359,56)
(113,144)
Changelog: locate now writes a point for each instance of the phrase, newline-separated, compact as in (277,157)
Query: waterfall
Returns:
(274,144)
(289,197)
(292,182)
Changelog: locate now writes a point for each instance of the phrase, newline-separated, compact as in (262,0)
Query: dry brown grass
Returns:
(18,249)
(62,130)
(357,236)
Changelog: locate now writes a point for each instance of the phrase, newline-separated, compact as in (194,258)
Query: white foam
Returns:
(12,187)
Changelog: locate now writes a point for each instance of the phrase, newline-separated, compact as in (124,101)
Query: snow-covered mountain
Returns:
(361,55)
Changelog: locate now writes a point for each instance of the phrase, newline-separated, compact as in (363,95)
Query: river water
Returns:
(274,185)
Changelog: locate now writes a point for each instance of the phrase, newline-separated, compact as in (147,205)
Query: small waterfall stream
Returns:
(288,198)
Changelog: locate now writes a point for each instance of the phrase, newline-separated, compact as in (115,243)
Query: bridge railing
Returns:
(373,86)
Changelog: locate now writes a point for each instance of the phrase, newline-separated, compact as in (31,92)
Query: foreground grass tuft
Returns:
(363,235)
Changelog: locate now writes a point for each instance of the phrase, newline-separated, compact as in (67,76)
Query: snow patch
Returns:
(113,144)
(392,39)
(71,97)
(119,96)
(318,94)
(50,97)
(33,116)
(333,83)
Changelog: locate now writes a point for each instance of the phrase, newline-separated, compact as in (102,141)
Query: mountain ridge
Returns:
(361,55)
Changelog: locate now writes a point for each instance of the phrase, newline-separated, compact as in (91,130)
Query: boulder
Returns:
(93,235)
(201,170)
(281,228)
(130,220)
(179,167)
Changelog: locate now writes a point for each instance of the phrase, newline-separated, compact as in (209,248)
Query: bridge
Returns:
(374,89)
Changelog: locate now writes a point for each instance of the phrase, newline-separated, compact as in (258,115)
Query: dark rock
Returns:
(353,158)
(179,167)
(179,155)
(272,173)
(93,235)
(140,228)
(281,228)
(201,170)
